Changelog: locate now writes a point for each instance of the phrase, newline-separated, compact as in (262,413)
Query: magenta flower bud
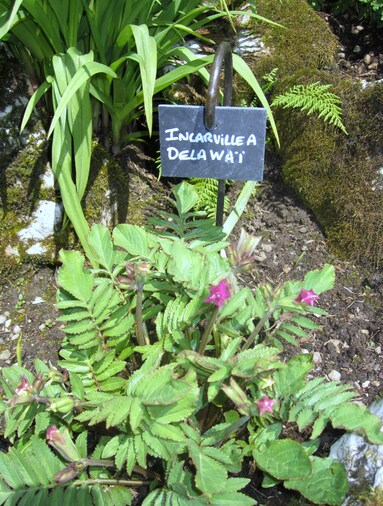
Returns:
(308,297)
(265,405)
(219,294)
(25,388)
(53,435)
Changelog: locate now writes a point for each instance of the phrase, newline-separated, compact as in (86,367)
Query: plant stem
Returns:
(100,463)
(140,329)
(257,329)
(124,483)
(208,331)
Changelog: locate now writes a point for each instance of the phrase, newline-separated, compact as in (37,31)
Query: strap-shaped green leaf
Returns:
(81,76)
(147,49)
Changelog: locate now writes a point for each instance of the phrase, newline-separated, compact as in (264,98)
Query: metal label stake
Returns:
(213,141)
(223,58)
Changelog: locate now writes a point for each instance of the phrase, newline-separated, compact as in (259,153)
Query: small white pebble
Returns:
(267,247)
(3,319)
(42,326)
(16,329)
(5,355)
(304,351)
(378,350)
(14,337)
(8,324)
(365,384)
(37,300)
(334,375)
(317,357)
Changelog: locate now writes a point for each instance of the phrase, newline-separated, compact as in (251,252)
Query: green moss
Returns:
(107,197)
(305,41)
(22,187)
(336,176)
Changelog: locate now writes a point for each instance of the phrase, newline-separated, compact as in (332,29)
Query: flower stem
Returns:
(124,483)
(208,331)
(257,329)
(140,326)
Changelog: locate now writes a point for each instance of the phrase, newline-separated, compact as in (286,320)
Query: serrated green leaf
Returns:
(113,385)
(291,379)
(155,446)
(112,446)
(320,280)
(211,475)
(304,322)
(167,431)
(101,243)
(293,329)
(305,418)
(79,327)
(235,302)
(275,458)
(136,413)
(231,498)
(133,239)
(73,278)
(113,369)
(186,197)
(319,426)
(327,484)
(355,418)
(287,337)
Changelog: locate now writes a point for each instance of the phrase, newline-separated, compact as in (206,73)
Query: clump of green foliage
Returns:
(101,63)
(365,10)
(170,377)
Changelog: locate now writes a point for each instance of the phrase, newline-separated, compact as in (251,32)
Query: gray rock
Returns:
(5,355)
(47,215)
(363,461)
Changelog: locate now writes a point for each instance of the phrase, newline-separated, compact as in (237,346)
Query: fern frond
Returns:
(207,190)
(313,98)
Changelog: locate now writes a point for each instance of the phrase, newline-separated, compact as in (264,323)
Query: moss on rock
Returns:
(339,177)
(305,41)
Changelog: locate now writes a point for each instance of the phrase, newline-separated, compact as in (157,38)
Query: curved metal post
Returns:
(223,57)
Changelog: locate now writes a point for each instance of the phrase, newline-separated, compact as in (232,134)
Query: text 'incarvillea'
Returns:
(212,143)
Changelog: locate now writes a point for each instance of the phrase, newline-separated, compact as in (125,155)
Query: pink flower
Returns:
(307,297)
(24,388)
(219,294)
(265,405)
